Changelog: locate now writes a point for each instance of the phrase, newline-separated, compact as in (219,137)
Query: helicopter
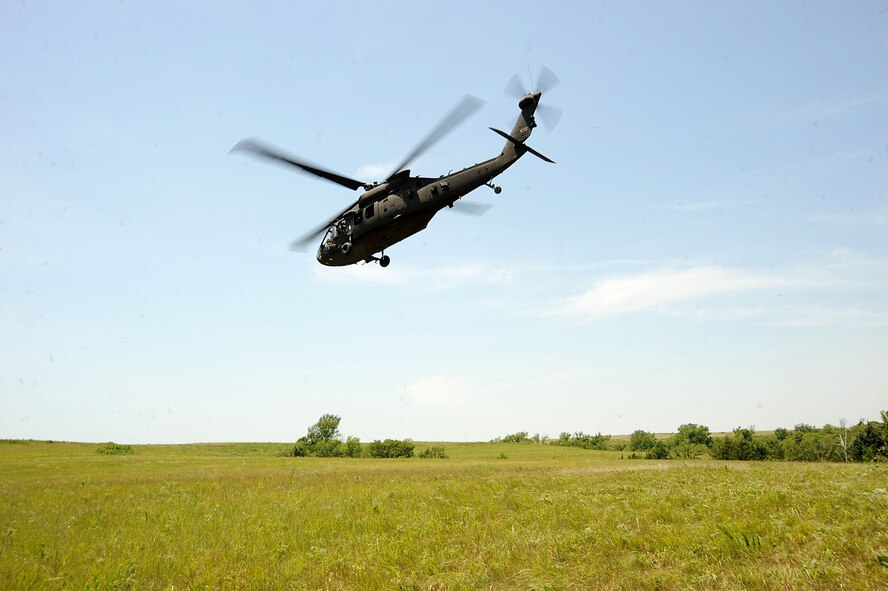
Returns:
(389,211)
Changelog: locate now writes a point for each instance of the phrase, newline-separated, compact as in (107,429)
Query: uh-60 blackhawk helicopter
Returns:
(402,205)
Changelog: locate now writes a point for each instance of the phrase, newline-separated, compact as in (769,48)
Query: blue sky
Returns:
(711,247)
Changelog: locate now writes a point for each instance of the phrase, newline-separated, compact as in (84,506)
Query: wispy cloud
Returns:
(654,290)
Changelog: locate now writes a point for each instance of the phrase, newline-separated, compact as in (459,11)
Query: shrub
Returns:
(433,452)
(391,448)
(583,440)
(519,437)
(742,445)
(115,449)
(659,451)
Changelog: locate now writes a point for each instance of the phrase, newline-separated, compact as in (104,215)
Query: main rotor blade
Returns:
(472,208)
(271,153)
(300,244)
(546,80)
(463,110)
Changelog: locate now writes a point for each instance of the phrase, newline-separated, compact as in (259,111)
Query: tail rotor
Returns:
(546,80)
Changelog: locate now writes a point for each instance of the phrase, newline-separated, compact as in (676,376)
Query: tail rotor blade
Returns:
(515,88)
(549,115)
(546,80)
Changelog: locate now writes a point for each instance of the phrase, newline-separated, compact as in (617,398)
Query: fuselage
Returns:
(372,225)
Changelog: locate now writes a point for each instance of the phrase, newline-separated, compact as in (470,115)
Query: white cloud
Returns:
(657,289)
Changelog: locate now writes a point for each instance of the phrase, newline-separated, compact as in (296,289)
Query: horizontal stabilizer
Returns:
(524,146)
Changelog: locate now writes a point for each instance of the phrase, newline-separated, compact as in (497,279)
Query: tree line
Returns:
(866,441)
(324,440)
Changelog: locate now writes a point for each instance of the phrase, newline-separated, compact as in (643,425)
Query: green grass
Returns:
(239,516)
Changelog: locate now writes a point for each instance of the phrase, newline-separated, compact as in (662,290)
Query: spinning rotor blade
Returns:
(471,208)
(515,88)
(264,151)
(549,115)
(546,80)
(465,108)
(300,244)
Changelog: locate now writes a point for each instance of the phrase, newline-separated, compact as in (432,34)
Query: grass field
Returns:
(239,516)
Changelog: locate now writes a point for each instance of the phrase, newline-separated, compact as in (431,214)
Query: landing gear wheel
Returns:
(497,190)
(384,261)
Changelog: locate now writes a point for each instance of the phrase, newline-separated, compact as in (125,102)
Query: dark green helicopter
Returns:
(402,205)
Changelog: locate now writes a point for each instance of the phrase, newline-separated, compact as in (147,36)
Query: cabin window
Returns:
(368,211)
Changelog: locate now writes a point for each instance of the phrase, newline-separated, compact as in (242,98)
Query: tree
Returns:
(641,441)
(696,434)
(843,438)
(323,440)
(870,442)
(691,440)
(352,447)
(326,429)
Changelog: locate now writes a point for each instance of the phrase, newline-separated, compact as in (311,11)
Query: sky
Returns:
(711,246)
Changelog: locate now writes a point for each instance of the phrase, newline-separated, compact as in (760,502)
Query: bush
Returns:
(519,437)
(583,440)
(659,451)
(433,452)
(115,449)
(391,448)
(742,445)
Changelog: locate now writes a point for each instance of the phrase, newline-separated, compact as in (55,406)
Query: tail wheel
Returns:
(384,261)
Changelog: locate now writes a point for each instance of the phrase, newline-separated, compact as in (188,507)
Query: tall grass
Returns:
(186,517)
